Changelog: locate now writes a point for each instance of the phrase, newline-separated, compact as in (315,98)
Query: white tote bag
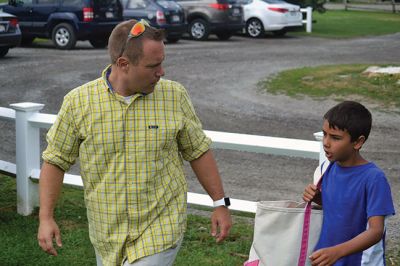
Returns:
(285,232)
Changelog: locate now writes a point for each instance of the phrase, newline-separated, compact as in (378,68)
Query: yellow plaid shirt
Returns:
(131,163)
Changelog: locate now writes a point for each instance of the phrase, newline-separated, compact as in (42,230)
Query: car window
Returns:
(105,3)
(273,1)
(73,3)
(24,2)
(47,2)
(226,1)
(167,3)
(136,4)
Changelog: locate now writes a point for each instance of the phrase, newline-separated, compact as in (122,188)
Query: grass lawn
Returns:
(18,245)
(347,24)
(340,81)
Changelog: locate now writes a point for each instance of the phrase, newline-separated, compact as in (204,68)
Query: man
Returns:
(131,130)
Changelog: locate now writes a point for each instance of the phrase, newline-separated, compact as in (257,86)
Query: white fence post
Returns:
(27,155)
(308,20)
(319,136)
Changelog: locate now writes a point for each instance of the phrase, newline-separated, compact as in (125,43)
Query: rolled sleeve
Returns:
(192,140)
(63,140)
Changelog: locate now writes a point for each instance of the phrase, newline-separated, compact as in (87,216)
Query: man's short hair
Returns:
(132,49)
(351,116)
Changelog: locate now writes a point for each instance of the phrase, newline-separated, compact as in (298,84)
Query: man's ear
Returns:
(357,144)
(122,63)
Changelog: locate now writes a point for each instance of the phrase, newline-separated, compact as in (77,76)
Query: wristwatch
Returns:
(222,202)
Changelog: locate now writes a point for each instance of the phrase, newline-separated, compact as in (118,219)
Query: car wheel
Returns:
(64,36)
(224,35)
(199,30)
(174,39)
(3,51)
(279,33)
(254,28)
(99,43)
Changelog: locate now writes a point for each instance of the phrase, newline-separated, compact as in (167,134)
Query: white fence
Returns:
(308,20)
(29,121)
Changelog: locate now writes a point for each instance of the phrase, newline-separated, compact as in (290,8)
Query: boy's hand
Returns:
(310,192)
(324,257)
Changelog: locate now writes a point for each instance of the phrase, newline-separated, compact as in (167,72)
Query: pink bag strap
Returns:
(306,224)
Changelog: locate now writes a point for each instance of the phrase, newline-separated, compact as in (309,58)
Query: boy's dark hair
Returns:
(350,116)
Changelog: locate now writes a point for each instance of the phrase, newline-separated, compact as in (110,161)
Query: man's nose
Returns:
(160,72)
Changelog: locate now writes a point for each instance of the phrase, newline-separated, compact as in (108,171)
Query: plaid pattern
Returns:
(131,164)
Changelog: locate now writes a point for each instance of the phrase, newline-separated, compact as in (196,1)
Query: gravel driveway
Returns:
(221,78)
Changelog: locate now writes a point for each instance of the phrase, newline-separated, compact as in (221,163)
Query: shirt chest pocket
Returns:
(159,136)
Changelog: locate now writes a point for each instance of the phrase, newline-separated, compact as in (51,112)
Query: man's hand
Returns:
(48,230)
(325,257)
(221,218)
(310,192)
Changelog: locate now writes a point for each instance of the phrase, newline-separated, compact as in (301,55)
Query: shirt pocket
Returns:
(160,137)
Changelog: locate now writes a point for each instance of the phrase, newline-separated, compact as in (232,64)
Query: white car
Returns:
(276,16)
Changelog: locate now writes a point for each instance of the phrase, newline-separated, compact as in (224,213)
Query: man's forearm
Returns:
(50,183)
(207,173)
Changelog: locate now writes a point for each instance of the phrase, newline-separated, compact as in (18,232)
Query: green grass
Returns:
(18,245)
(348,24)
(337,81)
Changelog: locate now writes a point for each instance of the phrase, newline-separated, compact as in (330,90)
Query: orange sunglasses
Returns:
(137,29)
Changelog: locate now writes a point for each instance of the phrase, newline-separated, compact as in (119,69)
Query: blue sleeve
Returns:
(379,197)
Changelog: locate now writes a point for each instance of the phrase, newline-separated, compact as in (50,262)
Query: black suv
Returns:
(222,17)
(164,14)
(66,21)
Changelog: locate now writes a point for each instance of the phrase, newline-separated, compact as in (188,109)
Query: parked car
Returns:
(164,14)
(220,17)
(275,16)
(66,21)
(10,34)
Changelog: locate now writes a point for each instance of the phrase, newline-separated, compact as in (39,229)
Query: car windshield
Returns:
(167,3)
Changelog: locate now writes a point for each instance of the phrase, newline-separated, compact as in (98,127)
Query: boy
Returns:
(355,194)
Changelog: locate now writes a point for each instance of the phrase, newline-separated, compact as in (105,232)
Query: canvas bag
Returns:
(286,232)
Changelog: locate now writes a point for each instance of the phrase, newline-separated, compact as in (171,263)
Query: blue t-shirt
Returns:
(350,195)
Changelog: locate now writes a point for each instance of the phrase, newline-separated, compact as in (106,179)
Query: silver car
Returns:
(221,17)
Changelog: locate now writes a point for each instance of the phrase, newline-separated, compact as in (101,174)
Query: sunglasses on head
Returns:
(137,29)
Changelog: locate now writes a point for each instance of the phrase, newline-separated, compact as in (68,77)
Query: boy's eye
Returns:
(336,137)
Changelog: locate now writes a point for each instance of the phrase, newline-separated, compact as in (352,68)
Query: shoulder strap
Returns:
(319,172)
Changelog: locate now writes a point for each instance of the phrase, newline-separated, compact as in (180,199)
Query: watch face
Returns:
(227,202)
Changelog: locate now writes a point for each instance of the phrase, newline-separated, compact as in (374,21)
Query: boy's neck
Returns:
(354,160)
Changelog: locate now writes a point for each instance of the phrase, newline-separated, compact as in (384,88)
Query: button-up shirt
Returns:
(131,163)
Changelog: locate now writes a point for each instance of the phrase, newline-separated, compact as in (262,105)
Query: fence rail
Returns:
(29,120)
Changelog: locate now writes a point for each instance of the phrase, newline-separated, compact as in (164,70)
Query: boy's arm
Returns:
(374,233)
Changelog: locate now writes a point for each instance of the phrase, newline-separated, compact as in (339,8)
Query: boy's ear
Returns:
(357,144)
